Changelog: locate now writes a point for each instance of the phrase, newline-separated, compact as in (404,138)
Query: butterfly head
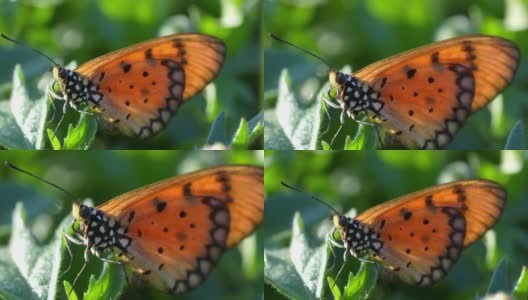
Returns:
(340,221)
(337,79)
(60,73)
(81,212)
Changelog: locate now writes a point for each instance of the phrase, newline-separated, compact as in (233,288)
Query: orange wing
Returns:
(144,85)
(424,232)
(181,226)
(430,91)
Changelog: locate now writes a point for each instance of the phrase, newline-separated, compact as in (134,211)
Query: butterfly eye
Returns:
(63,73)
(84,212)
(340,78)
(343,221)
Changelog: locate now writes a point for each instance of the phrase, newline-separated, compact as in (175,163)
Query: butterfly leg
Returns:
(333,256)
(64,110)
(345,255)
(86,259)
(70,239)
(111,261)
(331,104)
(353,115)
(52,92)
(73,239)
(335,243)
(340,106)
(54,95)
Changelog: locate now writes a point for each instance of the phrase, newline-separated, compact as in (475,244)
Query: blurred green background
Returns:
(360,32)
(360,180)
(102,175)
(82,30)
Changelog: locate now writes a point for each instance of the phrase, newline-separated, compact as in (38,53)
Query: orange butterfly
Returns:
(422,97)
(139,88)
(420,236)
(173,232)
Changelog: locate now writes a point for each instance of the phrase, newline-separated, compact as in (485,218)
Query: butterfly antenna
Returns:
(10,165)
(311,196)
(301,49)
(24,46)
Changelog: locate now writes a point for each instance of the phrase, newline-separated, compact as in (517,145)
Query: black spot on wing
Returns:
(125,66)
(159,204)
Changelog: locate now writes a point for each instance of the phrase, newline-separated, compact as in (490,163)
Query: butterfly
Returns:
(172,233)
(139,88)
(420,236)
(422,97)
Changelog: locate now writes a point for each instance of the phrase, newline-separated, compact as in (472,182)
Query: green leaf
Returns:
(363,283)
(297,272)
(217,132)
(79,137)
(212,107)
(516,139)
(240,139)
(298,119)
(256,128)
(366,138)
(54,140)
(70,292)
(520,291)
(499,280)
(82,135)
(22,119)
(325,145)
(12,284)
(31,270)
(274,136)
(334,288)
(349,144)
(109,285)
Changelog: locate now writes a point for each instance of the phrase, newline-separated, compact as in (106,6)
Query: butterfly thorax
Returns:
(358,237)
(354,95)
(100,231)
(77,89)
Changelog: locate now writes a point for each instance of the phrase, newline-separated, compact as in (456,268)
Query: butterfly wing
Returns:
(424,232)
(430,91)
(144,85)
(181,226)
